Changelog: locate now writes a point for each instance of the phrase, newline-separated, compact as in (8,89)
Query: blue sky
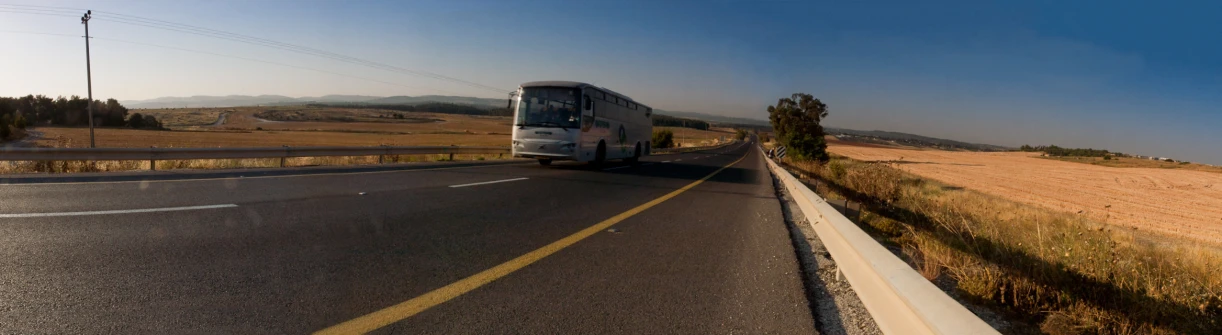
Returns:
(1130,76)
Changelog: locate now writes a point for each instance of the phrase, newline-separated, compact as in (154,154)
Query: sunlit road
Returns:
(298,254)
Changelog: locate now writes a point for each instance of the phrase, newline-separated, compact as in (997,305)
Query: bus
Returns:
(565,120)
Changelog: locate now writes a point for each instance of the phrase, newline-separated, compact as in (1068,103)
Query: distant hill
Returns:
(717,119)
(405,100)
(910,139)
(203,101)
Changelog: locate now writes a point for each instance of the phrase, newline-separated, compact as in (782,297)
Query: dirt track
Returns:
(1176,202)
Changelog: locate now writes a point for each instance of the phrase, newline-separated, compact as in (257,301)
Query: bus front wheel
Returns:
(545,161)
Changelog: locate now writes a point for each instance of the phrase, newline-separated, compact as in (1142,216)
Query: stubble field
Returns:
(1176,202)
(312,126)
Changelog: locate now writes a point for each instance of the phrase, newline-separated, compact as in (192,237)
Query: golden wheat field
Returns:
(1176,202)
(196,127)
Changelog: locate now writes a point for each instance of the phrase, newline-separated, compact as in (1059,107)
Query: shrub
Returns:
(663,139)
(740,134)
(4,131)
(136,121)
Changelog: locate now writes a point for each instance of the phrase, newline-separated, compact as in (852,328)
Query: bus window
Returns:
(548,107)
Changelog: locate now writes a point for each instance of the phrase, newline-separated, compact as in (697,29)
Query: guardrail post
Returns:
(152,159)
(451,154)
(381,158)
(286,155)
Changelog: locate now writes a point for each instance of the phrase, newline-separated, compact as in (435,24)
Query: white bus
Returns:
(564,120)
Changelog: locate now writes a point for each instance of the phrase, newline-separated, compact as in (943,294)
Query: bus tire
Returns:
(545,161)
(636,156)
(600,155)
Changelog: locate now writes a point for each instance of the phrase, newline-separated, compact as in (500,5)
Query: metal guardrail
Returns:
(155,154)
(900,299)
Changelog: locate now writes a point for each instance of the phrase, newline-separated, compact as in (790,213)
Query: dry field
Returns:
(1137,162)
(1177,202)
(689,137)
(186,117)
(193,128)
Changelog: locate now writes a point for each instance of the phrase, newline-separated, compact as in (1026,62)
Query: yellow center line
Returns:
(406,309)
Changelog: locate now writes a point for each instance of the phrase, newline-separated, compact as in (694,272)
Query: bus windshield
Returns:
(549,107)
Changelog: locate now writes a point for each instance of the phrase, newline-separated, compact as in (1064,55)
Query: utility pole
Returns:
(88,75)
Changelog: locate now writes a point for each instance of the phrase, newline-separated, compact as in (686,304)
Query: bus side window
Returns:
(589,103)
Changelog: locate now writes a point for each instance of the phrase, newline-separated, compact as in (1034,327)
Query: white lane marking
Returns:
(307,175)
(678,160)
(489,182)
(121,211)
(665,161)
(617,167)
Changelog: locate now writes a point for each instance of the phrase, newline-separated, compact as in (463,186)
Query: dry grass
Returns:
(1064,272)
(186,117)
(1177,202)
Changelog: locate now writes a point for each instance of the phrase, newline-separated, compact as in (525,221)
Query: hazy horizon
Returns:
(1123,76)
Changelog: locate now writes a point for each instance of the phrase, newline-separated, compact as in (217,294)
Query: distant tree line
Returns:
(30,110)
(428,107)
(73,111)
(1053,150)
(671,121)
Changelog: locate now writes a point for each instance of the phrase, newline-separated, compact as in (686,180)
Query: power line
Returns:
(267,62)
(5,10)
(37,33)
(219,34)
(231,56)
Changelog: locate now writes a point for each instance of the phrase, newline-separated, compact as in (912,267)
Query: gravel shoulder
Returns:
(836,306)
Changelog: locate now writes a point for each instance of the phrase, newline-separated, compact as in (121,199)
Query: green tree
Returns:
(136,121)
(740,134)
(796,122)
(663,139)
(20,122)
(4,132)
(151,122)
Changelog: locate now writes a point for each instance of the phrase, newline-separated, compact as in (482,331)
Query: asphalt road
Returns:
(298,254)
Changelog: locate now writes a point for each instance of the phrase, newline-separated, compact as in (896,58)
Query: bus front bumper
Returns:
(550,149)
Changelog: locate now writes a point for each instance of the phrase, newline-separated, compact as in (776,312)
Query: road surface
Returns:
(304,253)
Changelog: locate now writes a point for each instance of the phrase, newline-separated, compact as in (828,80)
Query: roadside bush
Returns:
(663,139)
(136,121)
(4,132)
(740,134)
